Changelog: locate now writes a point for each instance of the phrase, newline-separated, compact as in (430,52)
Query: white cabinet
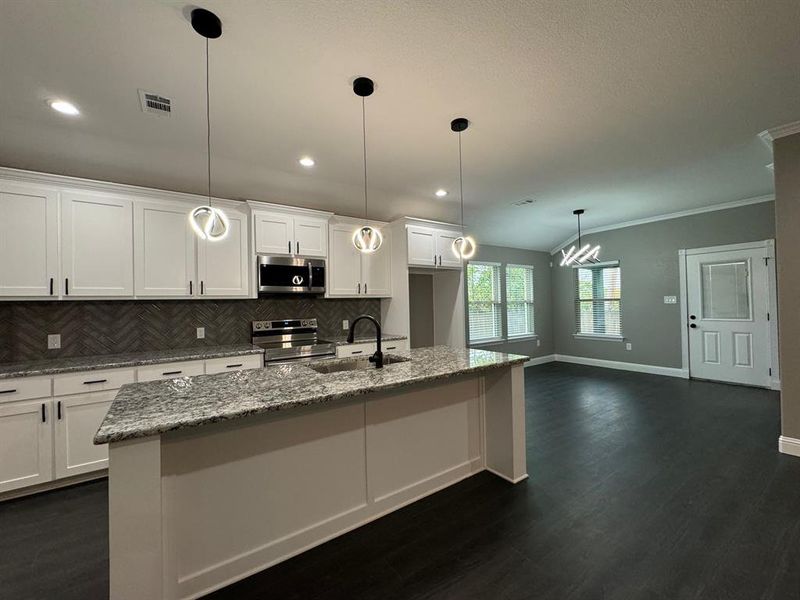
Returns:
(96,245)
(289,234)
(223,266)
(352,273)
(369,348)
(164,250)
(28,241)
(26,444)
(431,247)
(77,419)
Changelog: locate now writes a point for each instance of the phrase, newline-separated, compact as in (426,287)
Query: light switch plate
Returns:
(628,346)
(54,341)
(201,333)
(670,299)
(345,324)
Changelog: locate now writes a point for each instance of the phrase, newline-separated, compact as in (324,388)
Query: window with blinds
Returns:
(519,300)
(598,296)
(483,299)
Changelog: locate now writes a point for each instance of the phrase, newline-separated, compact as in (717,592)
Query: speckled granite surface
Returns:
(360,339)
(145,409)
(113,361)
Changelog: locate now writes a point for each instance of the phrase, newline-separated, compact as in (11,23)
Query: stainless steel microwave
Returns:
(290,275)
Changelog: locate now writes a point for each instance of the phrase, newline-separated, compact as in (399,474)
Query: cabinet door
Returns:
(311,237)
(444,249)
(377,269)
(344,263)
(28,241)
(96,245)
(77,419)
(223,265)
(421,246)
(274,233)
(164,250)
(26,444)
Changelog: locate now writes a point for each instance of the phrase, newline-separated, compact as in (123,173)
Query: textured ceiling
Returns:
(627,108)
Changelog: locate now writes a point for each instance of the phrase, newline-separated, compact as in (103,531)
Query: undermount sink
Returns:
(353,364)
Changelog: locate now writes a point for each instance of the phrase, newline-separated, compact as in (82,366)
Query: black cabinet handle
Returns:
(440,260)
(434,260)
(392,348)
(290,246)
(190,287)
(66,286)
(365,288)
(202,288)
(94,381)
(7,391)
(358,352)
(51,286)
(233,366)
(297,245)
(58,406)
(359,288)
(44,414)
(172,372)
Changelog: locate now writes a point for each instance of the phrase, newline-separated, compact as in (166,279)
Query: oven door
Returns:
(288,275)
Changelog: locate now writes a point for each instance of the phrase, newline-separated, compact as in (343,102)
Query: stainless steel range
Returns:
(290,340)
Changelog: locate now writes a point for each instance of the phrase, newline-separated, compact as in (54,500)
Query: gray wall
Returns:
(787,214)
(542,305)
(420,301)
(648,255)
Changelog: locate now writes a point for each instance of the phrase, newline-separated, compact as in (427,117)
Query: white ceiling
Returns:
(626,108)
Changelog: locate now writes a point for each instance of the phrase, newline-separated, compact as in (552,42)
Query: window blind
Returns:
(483,298)
(519,300)
(598,298)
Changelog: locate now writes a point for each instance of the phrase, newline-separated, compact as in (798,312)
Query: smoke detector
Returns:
(154,103)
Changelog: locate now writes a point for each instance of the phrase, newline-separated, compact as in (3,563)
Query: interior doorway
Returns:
(729,315)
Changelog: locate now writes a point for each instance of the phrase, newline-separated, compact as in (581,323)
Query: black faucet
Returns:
(376,358)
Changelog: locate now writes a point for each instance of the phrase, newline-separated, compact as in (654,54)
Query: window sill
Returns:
(523,338)
(598,336)
(487,342)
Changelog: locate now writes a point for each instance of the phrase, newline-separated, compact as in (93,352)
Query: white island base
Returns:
(197,509)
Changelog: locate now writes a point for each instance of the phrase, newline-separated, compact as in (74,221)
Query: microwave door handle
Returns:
(310,275)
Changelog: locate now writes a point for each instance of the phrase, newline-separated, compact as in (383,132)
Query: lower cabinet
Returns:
(26,444)
(77,418)
(368,348)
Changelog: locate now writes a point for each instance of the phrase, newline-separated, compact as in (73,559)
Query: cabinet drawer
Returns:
(171,370)
(234,363)
(92,381)
(363,349)
(395,346)
(25,388)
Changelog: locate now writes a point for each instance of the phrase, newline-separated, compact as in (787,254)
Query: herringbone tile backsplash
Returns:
(110,327)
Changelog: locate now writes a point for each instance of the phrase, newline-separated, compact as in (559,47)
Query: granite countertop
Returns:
(360,339)
(145,409)
(112,361)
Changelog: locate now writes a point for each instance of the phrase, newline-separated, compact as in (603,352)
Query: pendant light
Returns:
(366,239)
(464,246)
(208,222)
(579,255)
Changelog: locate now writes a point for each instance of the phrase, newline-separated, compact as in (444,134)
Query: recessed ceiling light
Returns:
(307,161)
(441,193)
(64,107)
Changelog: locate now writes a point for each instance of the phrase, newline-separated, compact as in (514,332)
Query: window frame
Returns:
(585,335)
(532,302)
(498,302)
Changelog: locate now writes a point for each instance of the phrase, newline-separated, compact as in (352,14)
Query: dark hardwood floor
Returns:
(641,487)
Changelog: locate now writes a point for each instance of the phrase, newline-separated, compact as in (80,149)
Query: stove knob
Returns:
(259,326)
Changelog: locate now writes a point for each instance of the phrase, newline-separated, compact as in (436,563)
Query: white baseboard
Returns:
(789,445)
(540,360)
(624,366)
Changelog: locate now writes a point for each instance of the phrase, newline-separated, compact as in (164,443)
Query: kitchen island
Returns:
(215,477)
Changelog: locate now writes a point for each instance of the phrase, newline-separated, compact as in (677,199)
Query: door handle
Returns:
(202,288)
(692,317)
(359,288)
(59,409)
(66,286)
(290,246)
(365,288)
(693,325)
(440,260)
(44,414)
(297,245)
(51,286)
(190,288)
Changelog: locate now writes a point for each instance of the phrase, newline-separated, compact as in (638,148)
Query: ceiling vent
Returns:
(522,202)
(153,103)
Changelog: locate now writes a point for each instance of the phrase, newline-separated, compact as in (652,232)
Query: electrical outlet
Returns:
(670,300)
(538,343)
(345,324)
(54,341)
(201,333)
(628,346)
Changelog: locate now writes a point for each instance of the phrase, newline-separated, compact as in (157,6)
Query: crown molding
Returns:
(769,135)
(667,217)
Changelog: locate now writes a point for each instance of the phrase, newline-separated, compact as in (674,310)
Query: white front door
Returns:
(728,301)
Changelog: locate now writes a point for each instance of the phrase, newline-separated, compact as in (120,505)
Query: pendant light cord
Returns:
(208,125)
(364,132)
(461,182)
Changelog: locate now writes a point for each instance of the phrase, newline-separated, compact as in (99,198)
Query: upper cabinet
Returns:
(289,233)
(223,266)
(432,247)
(28,240)
(352,273)
(96,245)
(165,255)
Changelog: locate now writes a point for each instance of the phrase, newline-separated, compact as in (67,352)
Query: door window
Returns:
(725,290)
